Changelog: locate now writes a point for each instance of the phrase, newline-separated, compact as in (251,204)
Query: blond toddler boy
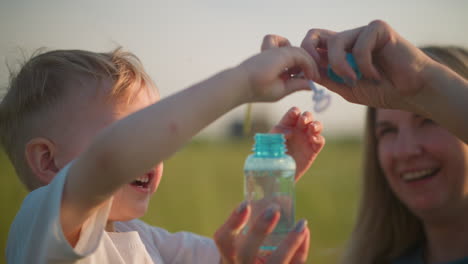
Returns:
(87,134)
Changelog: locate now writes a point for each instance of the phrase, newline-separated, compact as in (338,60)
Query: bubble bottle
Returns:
(269,181)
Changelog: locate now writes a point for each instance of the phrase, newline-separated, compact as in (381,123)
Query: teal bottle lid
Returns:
(352,62)
(269,145)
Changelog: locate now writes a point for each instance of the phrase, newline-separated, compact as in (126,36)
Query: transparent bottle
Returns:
(269,179)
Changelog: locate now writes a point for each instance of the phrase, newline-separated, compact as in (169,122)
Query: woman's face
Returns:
(424,164)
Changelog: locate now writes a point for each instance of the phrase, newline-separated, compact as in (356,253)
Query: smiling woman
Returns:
(414,206)
(423,163)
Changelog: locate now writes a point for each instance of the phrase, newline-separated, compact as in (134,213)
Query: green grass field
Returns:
(203,183)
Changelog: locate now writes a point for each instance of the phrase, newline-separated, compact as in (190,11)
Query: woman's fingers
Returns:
(337,46)
(225,237)
(258,231)
(302,252)
(235,247)
(315,40)
(373,37)
(291,244)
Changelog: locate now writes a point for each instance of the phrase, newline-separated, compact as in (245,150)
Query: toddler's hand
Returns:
(238,248)
(267,73)
(303,138)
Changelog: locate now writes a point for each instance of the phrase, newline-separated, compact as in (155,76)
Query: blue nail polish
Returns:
(270,212)
(352,62)
(300,226)
(242,207)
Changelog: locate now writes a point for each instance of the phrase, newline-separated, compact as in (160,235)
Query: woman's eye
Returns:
(427,121)
(385,131)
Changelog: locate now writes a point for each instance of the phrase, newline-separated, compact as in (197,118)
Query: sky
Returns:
(184,42)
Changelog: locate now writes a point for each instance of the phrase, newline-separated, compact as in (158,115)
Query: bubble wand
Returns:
(320,98)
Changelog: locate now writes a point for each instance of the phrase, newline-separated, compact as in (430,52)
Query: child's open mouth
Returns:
(144,181)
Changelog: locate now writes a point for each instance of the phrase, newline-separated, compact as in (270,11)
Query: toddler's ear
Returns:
(40,155)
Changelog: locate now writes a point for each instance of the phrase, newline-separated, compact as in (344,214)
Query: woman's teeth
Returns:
(415,175)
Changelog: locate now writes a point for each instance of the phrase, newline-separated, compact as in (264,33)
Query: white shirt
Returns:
(36,236)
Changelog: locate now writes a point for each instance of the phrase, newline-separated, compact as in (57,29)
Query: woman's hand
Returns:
(392,68)
(236,247)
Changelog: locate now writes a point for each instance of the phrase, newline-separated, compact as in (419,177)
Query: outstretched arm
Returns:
(132,146)
(444,99)
(396,74)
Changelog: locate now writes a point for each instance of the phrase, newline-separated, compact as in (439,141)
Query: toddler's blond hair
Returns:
(42,83)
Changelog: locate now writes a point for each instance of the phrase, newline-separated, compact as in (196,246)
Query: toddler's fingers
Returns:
(288,248)
(310,117)
(314,136)
(279,129)
(289,119)
(304,120)
(298,57)
(317,141)
(274,41)
(225,236)
(294,85)
(314,127)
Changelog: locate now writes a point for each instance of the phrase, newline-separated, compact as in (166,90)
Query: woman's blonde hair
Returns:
(42,83)
(385,228)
